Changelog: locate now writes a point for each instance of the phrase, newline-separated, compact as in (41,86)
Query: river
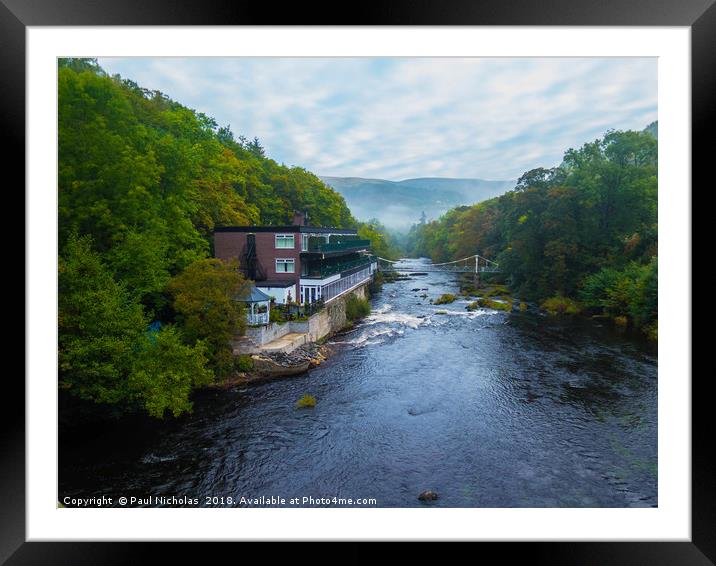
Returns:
(486,408)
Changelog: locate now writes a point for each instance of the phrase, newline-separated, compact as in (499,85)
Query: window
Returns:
(304,242)
(285,266)
(284,241)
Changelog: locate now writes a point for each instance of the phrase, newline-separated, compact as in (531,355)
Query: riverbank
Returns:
(273,365)
(484,408)
(498,296)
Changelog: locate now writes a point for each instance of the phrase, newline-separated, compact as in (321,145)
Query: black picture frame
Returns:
(17,15)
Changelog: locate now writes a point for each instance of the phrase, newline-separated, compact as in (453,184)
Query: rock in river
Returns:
(428,496)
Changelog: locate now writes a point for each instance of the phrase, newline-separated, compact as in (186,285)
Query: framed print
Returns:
(392,278)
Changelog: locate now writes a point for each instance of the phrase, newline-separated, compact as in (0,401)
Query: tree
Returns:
(149,179)
(586,228)
(99,326)
(107,354)
(381,243)
(165,371)
(206,297)
(255,147)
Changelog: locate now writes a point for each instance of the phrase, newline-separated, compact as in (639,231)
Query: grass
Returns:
(305,402)
(445,299)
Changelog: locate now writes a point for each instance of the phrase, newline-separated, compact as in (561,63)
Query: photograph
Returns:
(358,282)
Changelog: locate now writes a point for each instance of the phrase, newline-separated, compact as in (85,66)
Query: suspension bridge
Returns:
(472,264)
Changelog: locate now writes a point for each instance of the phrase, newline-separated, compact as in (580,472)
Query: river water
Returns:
(486,408)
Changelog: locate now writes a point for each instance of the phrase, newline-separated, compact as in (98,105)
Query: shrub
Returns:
(275,314)
(356,308)
(523,306)
(244,363)
(445,299)
(307,401)
(561,305)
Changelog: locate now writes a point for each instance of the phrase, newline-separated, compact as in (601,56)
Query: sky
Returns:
(400,118)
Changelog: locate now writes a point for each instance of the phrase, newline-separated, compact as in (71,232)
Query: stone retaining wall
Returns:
(327,321)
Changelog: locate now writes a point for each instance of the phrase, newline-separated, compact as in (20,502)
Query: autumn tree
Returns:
(206,297)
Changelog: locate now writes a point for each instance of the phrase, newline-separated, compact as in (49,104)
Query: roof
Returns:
(282,284)
(255,296)
(302,229)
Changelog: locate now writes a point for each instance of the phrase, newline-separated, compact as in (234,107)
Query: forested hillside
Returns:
(142,183)
(586,230)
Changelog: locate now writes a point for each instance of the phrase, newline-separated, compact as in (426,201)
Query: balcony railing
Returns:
(331,269)
(258,318)
(332,290)
(342,245)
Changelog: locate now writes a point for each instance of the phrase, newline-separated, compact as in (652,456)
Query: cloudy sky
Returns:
(398,118)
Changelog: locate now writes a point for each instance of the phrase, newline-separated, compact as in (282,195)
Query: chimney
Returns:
(299,218)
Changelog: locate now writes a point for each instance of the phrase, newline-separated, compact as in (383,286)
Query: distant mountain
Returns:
(398,204)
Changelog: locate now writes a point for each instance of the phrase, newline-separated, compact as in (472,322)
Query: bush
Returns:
(561,305)
(244,363)
(356,308)
(631,292)
(445,299)
(275,314)
(307,401)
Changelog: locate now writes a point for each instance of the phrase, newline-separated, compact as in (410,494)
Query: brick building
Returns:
(298,262)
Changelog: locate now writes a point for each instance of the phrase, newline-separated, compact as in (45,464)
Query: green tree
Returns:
(381,243)
(106,352)
(588,227)
(99,326)
(631,292)
(148,180)
(205,298)
(165,371)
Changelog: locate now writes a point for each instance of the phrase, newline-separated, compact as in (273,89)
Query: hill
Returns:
(399,204)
